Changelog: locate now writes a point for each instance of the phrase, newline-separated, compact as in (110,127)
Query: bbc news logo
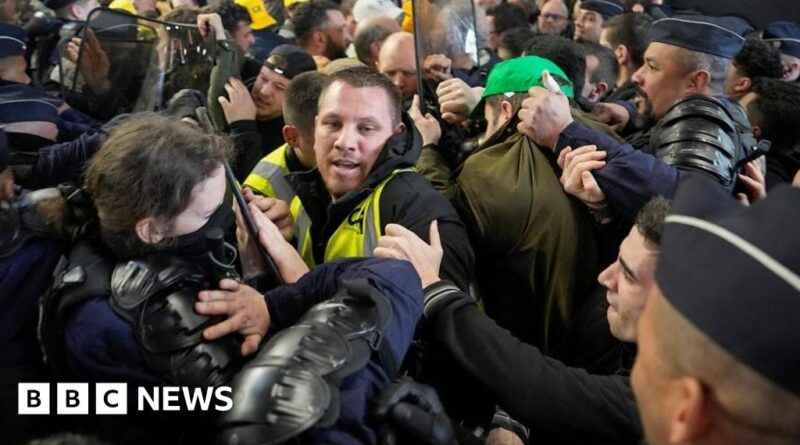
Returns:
(112,398)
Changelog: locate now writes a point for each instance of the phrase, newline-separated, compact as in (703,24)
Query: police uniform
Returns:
(786,37)
(733,273)
(678,145)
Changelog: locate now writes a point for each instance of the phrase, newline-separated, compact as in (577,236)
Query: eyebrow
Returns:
(627,268)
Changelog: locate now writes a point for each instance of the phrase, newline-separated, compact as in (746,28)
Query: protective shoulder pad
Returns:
(292,384)
(699,133)
(157,294)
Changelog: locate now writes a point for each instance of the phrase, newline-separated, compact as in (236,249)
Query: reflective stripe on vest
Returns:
(359,233)
(269,176)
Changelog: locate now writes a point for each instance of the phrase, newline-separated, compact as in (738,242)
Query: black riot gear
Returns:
(701,133)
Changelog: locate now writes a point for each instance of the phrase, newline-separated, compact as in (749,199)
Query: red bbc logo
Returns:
(72,398)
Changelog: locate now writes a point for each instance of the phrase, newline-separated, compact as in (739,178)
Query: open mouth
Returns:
(345,164)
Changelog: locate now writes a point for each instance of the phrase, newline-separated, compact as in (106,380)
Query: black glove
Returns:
(409,412)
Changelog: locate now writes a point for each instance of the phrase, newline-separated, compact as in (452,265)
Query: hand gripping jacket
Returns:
(292,384)
(156,294)
(700,133)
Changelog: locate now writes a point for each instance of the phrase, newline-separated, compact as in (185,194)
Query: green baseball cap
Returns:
(520,74)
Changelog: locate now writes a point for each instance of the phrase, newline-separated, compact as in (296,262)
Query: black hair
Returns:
(650,220)
(310,17)
(515,40)
(607,67)
(568,55)
(231,13)
(301,98)
(775,110)
(759,59)
(630,30)
(507,16)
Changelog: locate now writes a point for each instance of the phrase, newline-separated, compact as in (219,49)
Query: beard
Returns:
(645,118)
(333,51)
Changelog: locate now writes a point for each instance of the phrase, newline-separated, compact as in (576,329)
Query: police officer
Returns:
(128,303)
(686,65)
(716,348)
(591,15)
(786,36)
(50,36)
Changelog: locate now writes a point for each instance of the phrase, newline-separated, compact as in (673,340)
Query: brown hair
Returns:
(148,167)
(364,77)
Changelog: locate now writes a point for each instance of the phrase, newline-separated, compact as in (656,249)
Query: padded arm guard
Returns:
(699,133)
(292,384)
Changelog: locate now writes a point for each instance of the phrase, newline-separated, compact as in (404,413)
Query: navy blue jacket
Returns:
(101,346)
(630,177)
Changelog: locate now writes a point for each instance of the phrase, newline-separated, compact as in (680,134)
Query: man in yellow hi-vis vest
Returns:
(365,151)
(297,154)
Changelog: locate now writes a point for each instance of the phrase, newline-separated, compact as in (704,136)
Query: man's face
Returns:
(13,69)
(243,36)
(352,126)
(731,81)
(651,384)
(661,81)
(628,281)
(791,67)
(401,67)
(588,26)
(553,19)
(267,94)
(337,38)
(8,11)
(588,86)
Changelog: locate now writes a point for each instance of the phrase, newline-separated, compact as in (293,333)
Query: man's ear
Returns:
(401,127)
(598,92)
(757,132)
(691,417)
(622,55)
(290,135)
(506,110)
(698,81)
(791,70)
(743,85)
(318,39)
(374,53)
(148,231)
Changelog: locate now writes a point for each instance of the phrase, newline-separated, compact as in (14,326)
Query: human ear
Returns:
(691,416)
(148,231)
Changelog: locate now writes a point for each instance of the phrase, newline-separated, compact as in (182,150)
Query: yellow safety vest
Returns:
(269,178)
(358,234)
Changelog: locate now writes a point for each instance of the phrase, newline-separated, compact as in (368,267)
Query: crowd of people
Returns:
(384,222)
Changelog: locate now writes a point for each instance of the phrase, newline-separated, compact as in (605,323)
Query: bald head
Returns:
(370,35)
(398,62)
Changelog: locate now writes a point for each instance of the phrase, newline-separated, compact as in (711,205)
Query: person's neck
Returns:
(625,74)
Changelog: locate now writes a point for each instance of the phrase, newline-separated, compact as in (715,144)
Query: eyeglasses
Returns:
(553,17)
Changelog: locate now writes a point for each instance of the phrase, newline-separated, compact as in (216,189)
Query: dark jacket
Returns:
(102,345)
(253,140)
(408,199)
(534,244)
(57,163)
(560,404)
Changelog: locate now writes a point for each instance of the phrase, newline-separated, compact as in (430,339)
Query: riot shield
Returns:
(451,28)
(126,63)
